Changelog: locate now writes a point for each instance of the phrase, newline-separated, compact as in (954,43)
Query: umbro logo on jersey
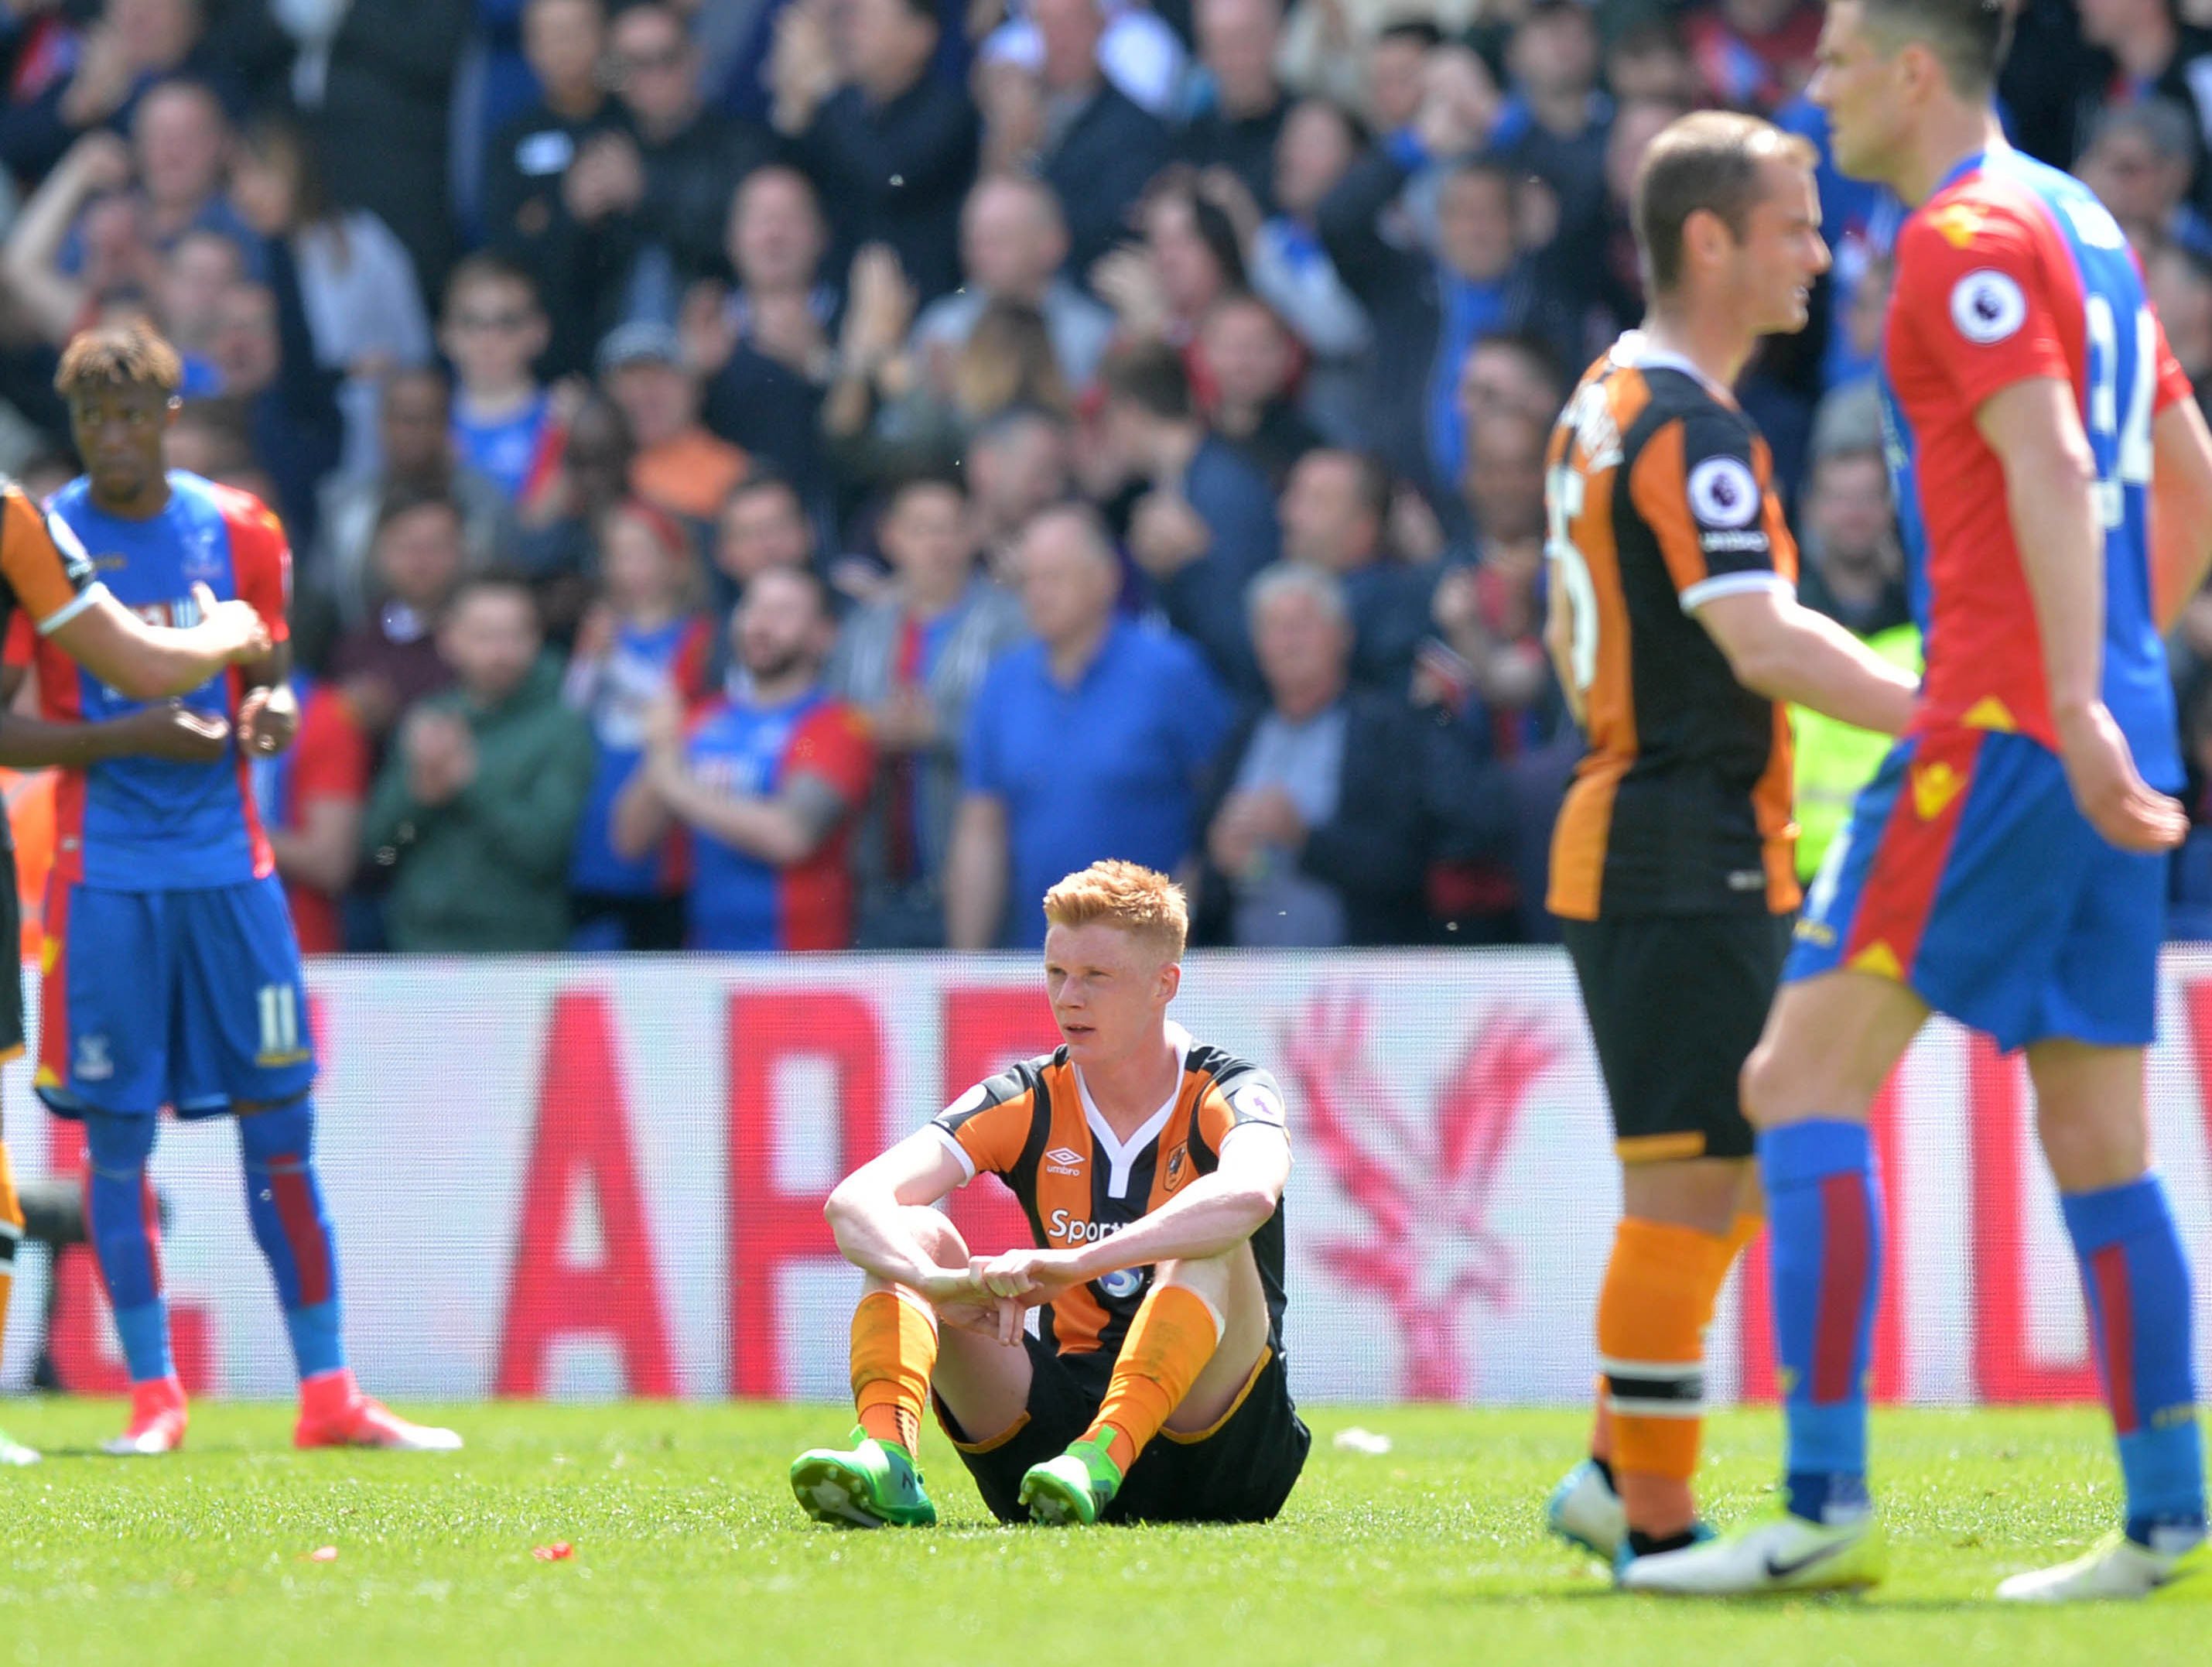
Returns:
(1063,1160)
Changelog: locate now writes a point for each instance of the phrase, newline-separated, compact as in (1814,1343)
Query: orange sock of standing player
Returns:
(894,1352)
(1660,1287)
(1173,1336)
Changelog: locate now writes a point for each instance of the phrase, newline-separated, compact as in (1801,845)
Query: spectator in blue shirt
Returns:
(1087,743)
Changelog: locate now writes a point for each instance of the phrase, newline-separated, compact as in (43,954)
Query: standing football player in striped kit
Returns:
(2006,867)
(1678,637)
(172,974)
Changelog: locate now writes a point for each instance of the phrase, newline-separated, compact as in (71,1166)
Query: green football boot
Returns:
(1073,1488)
(867,1486)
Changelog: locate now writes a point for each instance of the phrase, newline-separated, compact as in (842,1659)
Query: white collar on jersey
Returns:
(1121,1156)
(1635,349)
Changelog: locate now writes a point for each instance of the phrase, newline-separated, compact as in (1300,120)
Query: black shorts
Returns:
(1676,1003)
(1239,1471)
(11,934)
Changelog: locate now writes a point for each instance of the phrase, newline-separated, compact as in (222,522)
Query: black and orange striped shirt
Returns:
(1034,1127)
(1661,498)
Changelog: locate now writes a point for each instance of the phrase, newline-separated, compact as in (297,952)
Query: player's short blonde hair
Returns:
(1127,895)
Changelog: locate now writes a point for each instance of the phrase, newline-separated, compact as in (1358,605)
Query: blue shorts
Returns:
(1966,874)
(191,1000)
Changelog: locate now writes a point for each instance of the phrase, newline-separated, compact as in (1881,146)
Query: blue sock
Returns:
(284,1199)
(2136,1280)
(119,1220)
(1825,1222)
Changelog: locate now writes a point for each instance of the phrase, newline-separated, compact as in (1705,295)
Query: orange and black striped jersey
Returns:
(1035,1128)
(1660,498)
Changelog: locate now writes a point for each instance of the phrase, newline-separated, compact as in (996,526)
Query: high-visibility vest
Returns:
(1835,760)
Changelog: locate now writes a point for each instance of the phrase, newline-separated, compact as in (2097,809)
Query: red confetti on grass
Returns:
(559,1552)
(327,1553)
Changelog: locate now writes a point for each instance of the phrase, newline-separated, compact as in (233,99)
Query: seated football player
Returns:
(1151,1167)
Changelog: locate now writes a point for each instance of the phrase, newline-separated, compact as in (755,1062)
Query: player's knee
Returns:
(2089,1149)
(118,1145)
(1762,1084)
(284,1130)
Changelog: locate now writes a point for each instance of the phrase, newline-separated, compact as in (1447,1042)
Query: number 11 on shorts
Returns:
(280,1023)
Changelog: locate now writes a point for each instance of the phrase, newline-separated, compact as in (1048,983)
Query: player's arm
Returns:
(975,873)
(2180,509)
(174,733)
(865,1213)
(1778,647)
(2034,428)
(154,662)
(268,711)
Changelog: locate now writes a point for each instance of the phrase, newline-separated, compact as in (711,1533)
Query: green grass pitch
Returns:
(687,1547)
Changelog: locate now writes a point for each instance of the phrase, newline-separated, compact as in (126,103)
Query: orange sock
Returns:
(1651,1315)
(894,1351)
(1173,1336)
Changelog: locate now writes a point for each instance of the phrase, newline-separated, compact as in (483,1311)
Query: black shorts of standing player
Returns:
(1676,1003)
(1240,1470)
(11,936)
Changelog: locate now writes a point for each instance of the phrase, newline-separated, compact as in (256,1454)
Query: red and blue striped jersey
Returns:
(152,825)
(2010,271)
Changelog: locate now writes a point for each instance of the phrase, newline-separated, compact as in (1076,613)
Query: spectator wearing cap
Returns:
(913,659)
(1078,131)
(1087,741)
(1013,243)
(679,465)
(1205,523)
(766,348)
(1316,813)
(890,147)
(528,218)
(1242,122)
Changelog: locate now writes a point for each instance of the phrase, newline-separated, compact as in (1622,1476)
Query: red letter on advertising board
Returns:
(769,1226)
(582,1139)
(986,1029)
(1755,1312)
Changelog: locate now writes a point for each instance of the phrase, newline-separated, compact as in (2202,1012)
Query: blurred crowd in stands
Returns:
(808,473)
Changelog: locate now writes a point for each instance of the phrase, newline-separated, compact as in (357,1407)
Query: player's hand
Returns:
(2119,804)
(268,718)
(235,629)
(173,731)
(1032,1276)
